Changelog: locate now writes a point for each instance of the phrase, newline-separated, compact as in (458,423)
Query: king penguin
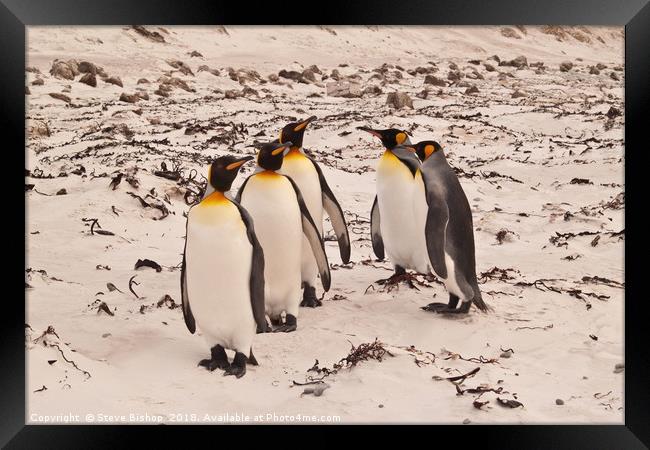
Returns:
(281,219)
(392,222)
(307,174)
(222,273)
(444,219)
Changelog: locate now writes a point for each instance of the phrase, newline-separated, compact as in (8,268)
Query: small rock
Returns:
(64,69)
(399,100)
(105,335)
(594,71)
(143,81)
(510,33)
(495,58)
(142,94)
(309,75)
(114,80)
(61,191)
(27,91)
(614,76)
(519,62)
(518,94)
(39,128)
(618,368)
(335,75)
(505,355)
(423,94)
(566,66)
(291,75)
(454,75)
(601,66)
(559,401)
(129,98)
(181,66)
(466,422)
(38,82)
(232,94)
(314,68)
(471,90)
(273,77)
(88,67)
(431,79)
(489,67)
(380,405)
(90,79)
(372,90)
(249,91)
(344,89)
(195,54)
(58,96)
(613,112)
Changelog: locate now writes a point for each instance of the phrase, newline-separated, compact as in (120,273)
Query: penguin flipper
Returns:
(375,231)
(434,231)
(335,212)
(257,271)
(187,311)
(241,191)
(314,237)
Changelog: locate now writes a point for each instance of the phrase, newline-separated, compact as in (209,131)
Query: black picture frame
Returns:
(16,15)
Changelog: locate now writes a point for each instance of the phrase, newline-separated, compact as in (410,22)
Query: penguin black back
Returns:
(295,131)
(390,138)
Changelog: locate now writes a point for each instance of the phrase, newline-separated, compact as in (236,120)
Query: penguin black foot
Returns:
(438,307)
(464,309)
(238,366)
(290,325)
(267,329)
(218,360)
(309,298)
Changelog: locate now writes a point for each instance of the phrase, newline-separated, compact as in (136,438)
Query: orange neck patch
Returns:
(215,198)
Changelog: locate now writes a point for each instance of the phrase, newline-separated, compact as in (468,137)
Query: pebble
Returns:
(559,401)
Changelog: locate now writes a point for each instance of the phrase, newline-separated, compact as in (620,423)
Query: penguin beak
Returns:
(281,148)
(302,125)
(371,131)
(237,164)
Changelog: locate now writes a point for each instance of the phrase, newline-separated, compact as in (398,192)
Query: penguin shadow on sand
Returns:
(422,220)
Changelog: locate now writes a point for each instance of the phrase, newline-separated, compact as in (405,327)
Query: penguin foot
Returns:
(290,325)
(218,360)
(238,366)
(435,307)
(211,364)
(276,322)
(309,298)
(267,329)
(464,309)
(438,307)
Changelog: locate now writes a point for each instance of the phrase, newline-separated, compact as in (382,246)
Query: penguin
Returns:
(281,219)
(222,273)
(308,176)
(444,219)
(392,222)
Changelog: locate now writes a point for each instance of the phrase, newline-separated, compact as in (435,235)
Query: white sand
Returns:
(146,363)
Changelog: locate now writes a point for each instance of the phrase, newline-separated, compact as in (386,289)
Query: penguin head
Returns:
(223,171)
(390,138)
(295,131)
(271,154)
(424,149)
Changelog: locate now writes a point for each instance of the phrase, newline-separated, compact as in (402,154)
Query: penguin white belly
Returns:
(304,174)
(271,201)
(420,212)
(395,188)
(218,266)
